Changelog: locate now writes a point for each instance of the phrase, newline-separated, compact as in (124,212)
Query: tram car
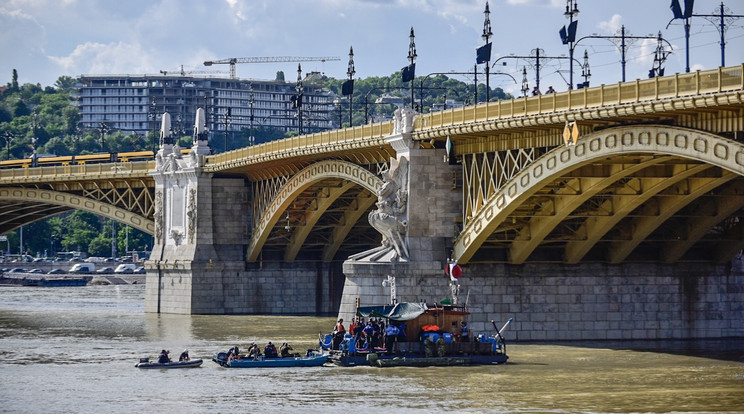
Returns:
(104,157)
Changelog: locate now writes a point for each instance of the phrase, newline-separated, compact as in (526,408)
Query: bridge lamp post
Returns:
(525,84)
(8,139)
(350,72)
(412,59)
(569,36)
(228,122)
(298,99)
(102,130)
(487,33)
(585,70)
(251,138)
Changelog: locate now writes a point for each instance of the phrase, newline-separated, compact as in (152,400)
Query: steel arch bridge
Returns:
(655,176)
(647,192)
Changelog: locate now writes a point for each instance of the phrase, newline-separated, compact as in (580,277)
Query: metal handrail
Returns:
(675,86)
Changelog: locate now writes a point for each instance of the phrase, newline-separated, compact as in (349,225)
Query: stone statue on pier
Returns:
(391,216)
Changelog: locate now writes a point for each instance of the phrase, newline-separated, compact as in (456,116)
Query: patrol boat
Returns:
(422,339)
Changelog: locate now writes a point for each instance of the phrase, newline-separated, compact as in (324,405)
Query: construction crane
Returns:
(184,72)
(233,61)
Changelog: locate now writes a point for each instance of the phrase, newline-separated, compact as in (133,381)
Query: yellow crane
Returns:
(271,59)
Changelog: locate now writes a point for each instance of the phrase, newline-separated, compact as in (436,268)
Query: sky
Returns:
(45,39)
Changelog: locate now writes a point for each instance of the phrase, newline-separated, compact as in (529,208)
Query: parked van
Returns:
(83,268)
(127,268)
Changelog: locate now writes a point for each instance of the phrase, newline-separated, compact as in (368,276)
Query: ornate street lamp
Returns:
(251,138)
(485,57)
(298,99)
(350,72)
(585,70)
(412,59)
(568,37)
(8,139)
(525,85)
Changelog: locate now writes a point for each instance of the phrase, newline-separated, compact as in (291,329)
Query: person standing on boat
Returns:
(338,333)
(464,332)
(163,358)
(184,355)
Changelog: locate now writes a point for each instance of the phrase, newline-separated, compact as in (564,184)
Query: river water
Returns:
(73,350)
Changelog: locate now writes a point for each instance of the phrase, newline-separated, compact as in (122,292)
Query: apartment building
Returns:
(135,103)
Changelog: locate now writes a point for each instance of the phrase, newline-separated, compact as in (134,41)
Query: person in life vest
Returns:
(163,358)
(184,355)
(464,332)
(338,333)
(270,350)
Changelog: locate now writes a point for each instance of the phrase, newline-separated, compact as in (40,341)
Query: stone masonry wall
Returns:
(580,302)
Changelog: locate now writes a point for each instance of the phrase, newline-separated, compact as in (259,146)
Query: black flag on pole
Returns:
(347,88)
(676,10)
(572,31)
(483,54)
(688,8)
(409,72)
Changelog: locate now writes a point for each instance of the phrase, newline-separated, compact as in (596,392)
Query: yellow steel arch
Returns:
(38,196)
(296,185)
(700,146)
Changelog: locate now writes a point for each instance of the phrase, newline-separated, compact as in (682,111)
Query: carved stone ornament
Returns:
(158,213)
(391,216)
(403,120)
(191,214)
(177,236)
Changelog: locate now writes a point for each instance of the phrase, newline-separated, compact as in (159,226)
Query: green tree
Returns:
(65,83)
(14,82)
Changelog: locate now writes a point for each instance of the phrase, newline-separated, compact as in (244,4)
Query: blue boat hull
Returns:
(261,362)
(194,363)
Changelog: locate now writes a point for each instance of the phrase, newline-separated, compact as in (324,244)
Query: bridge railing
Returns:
(660,88)
(55,173)
(320,140)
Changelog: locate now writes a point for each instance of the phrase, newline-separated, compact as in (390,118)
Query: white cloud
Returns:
(92,57)
(551,3)
(613,25)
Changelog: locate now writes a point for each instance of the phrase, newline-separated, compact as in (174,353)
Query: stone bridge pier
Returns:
(198,263)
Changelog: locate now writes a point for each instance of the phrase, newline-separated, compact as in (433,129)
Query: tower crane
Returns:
(184,72)
(272,59)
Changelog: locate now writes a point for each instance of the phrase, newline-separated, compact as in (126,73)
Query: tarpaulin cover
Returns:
(399,312)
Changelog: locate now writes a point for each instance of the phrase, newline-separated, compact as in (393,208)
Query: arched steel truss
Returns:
(663,189)
(330,180)
(19,206)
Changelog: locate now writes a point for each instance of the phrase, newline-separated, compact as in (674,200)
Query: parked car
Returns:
(36,271)
(105,270)
(17,270)
(140,270)
(125,268)
(56,271)
(83,268)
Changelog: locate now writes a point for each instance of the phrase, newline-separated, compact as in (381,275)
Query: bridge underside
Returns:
(14,214)
(632,207)
(126,201)
(636,193)
(325,222)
